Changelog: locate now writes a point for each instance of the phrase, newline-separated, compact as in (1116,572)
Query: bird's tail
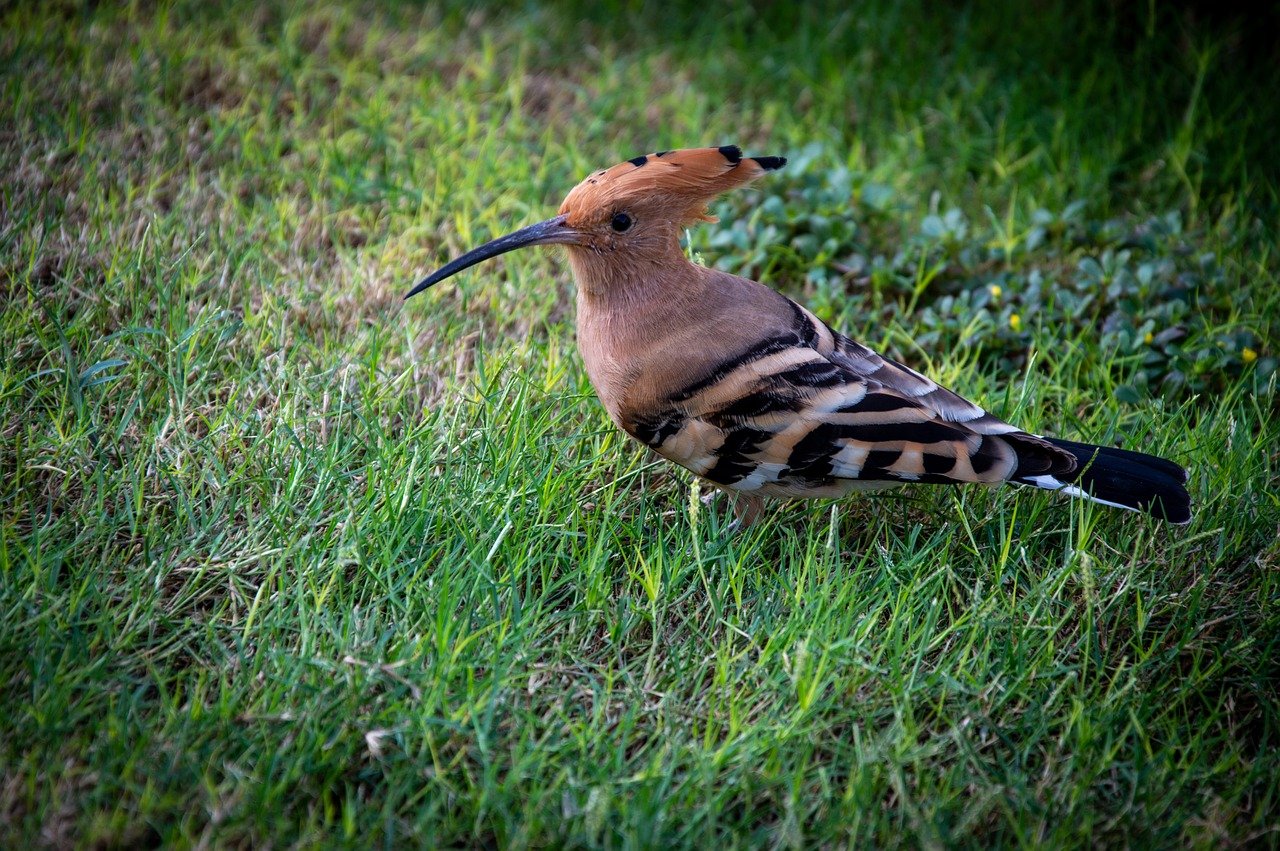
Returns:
(1122,479)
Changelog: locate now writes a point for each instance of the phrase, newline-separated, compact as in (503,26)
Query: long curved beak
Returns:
(551,232)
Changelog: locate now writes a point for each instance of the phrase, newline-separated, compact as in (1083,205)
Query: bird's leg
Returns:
(747,509)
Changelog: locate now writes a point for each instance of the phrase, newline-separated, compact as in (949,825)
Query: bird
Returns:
(749,390)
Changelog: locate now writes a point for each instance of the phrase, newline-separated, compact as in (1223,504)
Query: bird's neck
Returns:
(620,279)
(627,306)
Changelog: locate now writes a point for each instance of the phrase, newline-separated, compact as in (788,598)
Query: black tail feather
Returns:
(1131,479)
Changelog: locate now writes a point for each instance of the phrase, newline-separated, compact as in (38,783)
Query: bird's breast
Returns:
(607,366)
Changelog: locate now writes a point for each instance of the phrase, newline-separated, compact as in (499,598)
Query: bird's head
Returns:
(634,209)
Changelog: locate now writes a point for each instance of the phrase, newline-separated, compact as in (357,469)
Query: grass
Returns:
(286,562)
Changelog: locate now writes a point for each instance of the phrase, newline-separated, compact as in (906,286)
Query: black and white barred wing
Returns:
(791,420)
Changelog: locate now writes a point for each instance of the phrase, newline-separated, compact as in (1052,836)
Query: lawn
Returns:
(288,561)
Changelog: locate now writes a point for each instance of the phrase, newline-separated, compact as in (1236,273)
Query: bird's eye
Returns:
(621,222)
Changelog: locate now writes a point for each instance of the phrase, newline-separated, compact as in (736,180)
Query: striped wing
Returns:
(811,413)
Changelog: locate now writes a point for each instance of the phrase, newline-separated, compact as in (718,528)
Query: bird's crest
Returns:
(680,183)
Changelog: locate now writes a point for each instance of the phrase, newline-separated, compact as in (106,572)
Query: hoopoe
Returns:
(752,392)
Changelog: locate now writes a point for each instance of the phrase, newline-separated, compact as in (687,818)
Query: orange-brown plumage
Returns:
(676,183)
(749,390)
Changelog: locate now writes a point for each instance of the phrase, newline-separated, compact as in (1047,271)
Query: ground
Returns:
(287,561)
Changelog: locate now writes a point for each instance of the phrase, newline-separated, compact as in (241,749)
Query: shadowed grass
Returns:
(286,562)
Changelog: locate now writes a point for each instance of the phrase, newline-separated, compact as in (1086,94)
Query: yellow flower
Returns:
(995,290)
(1015,322)
(1148,338)
(1248,355)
